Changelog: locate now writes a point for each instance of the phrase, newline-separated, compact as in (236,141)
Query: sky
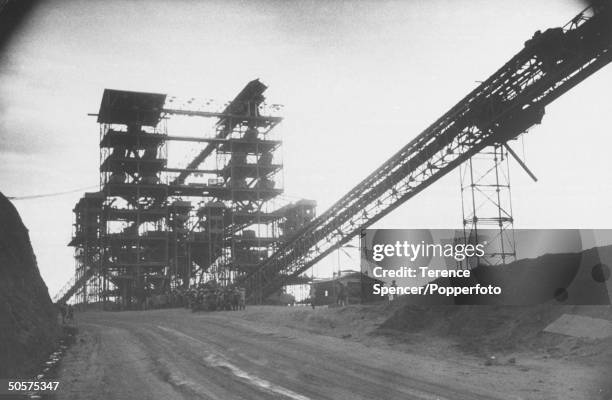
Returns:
(358,79)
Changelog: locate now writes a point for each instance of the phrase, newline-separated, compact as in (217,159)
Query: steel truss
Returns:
(148,231)
(506,104)
(486,204)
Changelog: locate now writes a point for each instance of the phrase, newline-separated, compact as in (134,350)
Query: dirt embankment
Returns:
(537,292)
(482,330)
(477,331)
(28,323)
(508,339)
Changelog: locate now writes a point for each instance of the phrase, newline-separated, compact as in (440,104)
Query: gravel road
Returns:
(174,354)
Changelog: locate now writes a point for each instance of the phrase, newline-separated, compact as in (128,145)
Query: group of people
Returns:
(208,296)
(341,294)
(212,297)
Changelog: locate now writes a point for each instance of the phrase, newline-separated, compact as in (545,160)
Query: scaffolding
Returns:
(157,226)
(487,205)
(134,236)
(85,240)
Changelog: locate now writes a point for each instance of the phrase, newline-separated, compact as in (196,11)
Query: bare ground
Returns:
(299,353)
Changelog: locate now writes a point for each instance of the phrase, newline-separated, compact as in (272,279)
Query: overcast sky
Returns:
(358,80)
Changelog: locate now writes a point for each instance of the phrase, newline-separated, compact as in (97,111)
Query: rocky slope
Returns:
(28,322)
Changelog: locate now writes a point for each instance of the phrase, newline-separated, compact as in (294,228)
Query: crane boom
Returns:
(508,103)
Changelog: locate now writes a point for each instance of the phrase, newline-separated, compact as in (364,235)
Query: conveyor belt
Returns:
(505,105)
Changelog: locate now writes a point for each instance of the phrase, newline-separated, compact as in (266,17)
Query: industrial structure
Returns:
(501,108)
(154,226)
(486,204)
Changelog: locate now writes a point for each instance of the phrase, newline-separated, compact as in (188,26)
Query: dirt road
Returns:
(174,354)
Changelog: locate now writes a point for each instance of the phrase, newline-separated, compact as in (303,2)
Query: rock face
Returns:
(28,319)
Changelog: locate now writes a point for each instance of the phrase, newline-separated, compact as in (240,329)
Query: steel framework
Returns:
(486,204)
(506,104)
(155,227)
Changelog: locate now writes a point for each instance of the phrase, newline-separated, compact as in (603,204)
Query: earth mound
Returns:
(28,319)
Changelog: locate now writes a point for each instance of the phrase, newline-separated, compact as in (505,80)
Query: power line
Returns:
(39,196)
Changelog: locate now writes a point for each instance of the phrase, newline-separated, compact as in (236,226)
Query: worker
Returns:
(342,294)
(313,296)
(70,314)
(392,295)
(62,308)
